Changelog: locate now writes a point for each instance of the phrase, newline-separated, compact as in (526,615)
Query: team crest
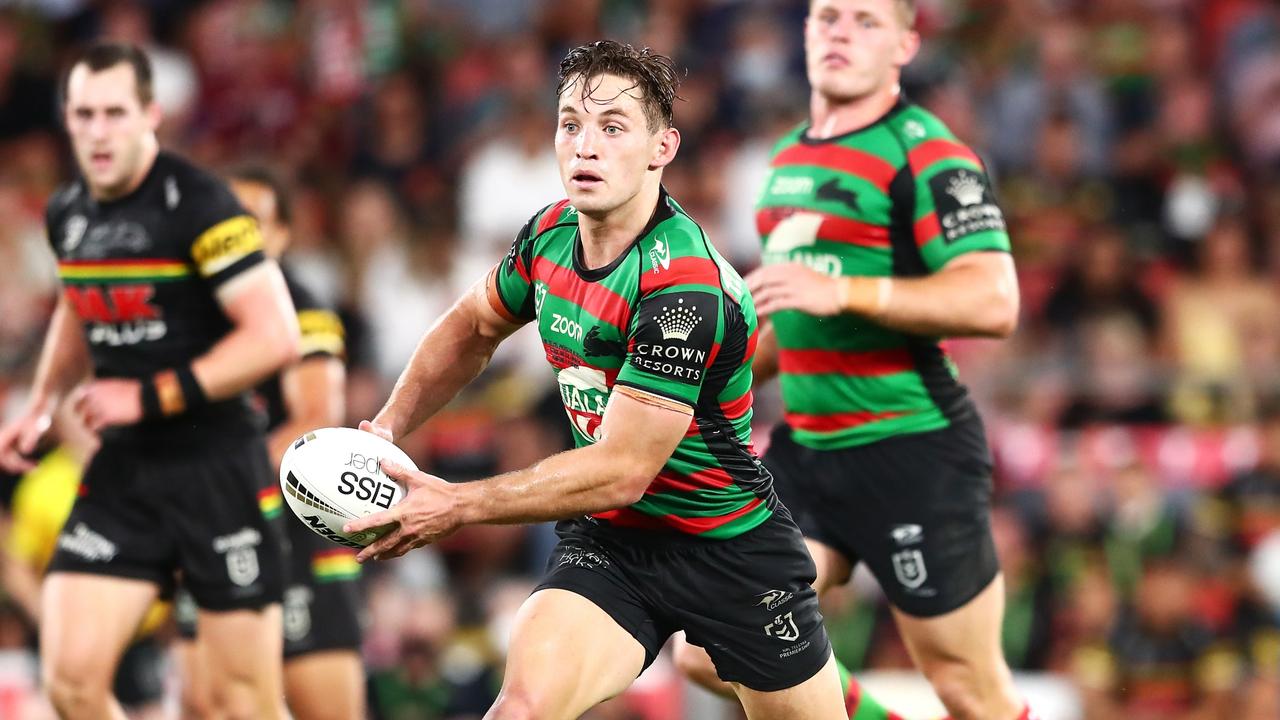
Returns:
(297,613)
(908,566)
(73,232)
(242,565)
(784,628)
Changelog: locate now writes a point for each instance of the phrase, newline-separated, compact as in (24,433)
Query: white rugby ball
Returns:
(333,475)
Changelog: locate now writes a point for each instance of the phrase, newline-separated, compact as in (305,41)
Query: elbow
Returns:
(1003,325)
(629,489)
(287,348)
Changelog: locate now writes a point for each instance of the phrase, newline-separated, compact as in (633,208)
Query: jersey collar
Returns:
(662,211)
(901,104)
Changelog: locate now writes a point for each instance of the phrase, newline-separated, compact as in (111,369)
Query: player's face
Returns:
(604,145)
(855,48)
(260,201)
(109,127)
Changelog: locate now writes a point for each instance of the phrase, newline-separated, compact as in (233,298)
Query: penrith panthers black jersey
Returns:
(141,272)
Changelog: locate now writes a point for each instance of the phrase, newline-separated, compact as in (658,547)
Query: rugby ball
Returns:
(333,475)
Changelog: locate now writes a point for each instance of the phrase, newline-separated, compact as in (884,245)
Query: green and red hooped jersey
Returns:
(668,318)
(898,197)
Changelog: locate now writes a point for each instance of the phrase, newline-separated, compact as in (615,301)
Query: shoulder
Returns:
(676,252)
(64,199)
(927,140)
(194,193)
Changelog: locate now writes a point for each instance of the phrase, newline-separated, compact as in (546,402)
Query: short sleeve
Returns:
(673,343)
(226,240)
(510,283)
(955,207)
(322,331)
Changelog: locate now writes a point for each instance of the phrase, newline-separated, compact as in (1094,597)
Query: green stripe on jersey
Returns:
(900,197)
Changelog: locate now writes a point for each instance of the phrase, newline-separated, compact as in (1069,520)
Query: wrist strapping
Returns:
(171,392)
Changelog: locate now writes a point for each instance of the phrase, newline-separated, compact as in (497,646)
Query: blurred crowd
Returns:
(1135,416)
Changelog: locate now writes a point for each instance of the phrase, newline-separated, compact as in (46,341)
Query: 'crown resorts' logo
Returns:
(678,321)
(966,188)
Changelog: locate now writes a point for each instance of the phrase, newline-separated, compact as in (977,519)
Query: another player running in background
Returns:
(881,236)
(170,312)
(323,672)
(674,525)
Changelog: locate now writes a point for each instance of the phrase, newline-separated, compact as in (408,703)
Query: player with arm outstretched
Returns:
(668,520)
(170,312)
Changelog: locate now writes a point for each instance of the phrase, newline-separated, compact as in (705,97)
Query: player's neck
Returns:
(146,159)
(604,238)
(830,118)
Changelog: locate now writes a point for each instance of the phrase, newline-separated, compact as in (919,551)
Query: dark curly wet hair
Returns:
(654,74)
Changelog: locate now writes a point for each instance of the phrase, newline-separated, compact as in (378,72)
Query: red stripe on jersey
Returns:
(833,227)
(140,262)
(927,228)
(836,421)
(700,480)
(711,356)
(626,517)
(862,363)
(735,409)
(751,344)
(551,216)
(871,168)
(683,271)
(595,298)
(931,151)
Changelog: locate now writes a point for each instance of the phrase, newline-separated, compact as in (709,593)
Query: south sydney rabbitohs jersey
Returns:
(899,197)
(141,273)
(668,318)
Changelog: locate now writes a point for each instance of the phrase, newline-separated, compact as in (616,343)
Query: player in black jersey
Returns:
(323,674)
(170,312)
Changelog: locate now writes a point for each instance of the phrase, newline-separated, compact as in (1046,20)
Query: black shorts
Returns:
(322,598)
(747,600)
(915,508)
(150,513)
(140,675)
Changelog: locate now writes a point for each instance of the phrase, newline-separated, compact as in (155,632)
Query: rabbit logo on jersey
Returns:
(585,395)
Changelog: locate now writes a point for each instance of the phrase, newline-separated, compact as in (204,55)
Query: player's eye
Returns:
(115,112)
(612,129)
(569,126)
(84,113)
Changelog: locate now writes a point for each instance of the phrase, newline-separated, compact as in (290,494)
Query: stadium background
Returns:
(1135,416)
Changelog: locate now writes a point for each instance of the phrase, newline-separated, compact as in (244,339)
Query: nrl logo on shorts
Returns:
(908,566)
(772,599)
(784,628)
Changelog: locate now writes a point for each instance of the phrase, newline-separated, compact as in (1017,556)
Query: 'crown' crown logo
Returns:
(965,188)
(678,321)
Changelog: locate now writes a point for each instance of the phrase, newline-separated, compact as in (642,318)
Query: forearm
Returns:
(242,359)
(450,355)
(64,359)
(575,482)
(964,301)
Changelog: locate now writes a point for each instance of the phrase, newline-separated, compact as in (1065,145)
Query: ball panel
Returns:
(332,475)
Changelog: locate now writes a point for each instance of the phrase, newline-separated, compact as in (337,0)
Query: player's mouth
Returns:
(584,180)
(835,60)
(100,160)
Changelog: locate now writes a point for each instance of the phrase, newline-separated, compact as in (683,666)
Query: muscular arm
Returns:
(638,434)
(264,335)
(975,294)
(64,360)
(313,398)
(450,355)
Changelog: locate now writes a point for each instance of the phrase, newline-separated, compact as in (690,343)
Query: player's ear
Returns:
(154,115)
(665,150)
(908,46)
